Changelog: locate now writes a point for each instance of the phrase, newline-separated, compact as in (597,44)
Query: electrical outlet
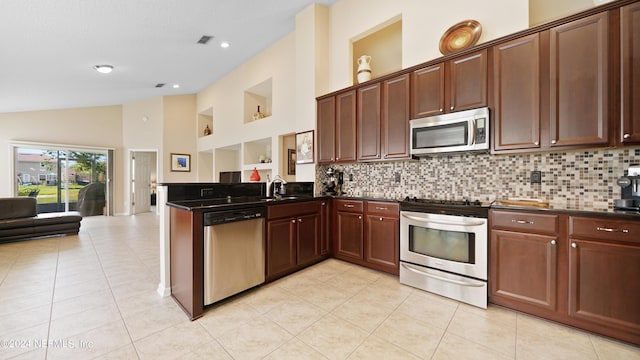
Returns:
(397,177)
(536,177)
(350,177)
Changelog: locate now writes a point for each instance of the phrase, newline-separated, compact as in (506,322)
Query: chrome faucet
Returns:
(277,186)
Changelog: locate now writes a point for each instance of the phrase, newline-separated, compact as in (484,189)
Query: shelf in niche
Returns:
(384,44)
(259,95)
(205,119)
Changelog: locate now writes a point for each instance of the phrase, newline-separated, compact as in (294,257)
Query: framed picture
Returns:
(304,147)
(291,162)
(180,162)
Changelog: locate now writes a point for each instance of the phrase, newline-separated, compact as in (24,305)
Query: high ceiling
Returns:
(48,47)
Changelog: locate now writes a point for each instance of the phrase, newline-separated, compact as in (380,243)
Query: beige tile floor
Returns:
(93,296)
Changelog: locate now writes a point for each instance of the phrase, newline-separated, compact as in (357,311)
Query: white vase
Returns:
(364,68)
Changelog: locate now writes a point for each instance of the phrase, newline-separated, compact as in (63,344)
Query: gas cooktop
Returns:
(472,208)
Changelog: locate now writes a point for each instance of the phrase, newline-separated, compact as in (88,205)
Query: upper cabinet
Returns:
(369,122)
(516,87)
(579,82)
(336,124)
(455,85)
(630,73)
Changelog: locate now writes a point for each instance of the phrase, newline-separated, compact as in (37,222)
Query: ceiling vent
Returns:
(159,85)
(205,39)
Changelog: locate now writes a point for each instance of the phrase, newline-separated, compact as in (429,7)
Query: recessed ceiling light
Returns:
(103,69)
(224,44)
(175,86)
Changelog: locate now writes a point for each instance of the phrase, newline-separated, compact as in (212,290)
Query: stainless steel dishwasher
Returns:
(233,252)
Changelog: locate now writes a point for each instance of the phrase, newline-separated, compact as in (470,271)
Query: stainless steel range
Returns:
(443,248)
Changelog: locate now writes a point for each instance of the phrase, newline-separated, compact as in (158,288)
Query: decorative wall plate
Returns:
(460,36)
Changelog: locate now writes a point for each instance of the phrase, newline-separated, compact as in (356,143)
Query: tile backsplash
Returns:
(570,179)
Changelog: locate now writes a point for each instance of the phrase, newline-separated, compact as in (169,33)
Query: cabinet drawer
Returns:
(604,229)
(292,209)
(383,208)
(355,206)
(525,221)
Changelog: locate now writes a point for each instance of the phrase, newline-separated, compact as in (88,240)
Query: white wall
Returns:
(178,136)
(92,127)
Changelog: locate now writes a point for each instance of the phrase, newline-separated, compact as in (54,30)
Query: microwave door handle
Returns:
(472,133)
(429,221)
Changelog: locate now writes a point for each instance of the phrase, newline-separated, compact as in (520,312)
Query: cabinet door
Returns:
(281,246)
(326,130)
(395,118)
(468,81)
(523,268)
(578,82)
(382,242)
(308,236)
(346,126)
(516,111)
(427,87)
(630,58)
(603,283)
(349,233)
(325,238)
(369,122)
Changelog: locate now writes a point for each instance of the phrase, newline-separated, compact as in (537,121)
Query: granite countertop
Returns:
(577,212)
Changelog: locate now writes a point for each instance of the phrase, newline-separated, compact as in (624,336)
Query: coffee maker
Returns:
(630,190)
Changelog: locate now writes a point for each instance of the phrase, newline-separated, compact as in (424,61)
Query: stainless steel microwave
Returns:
(460,131)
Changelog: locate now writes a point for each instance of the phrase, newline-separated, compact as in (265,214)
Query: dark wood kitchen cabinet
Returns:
(458,84)
(294,233)
(336,123)
(578,270)
(396,96)
(326,126)
(524,259)
(349,229)
(604,264)
(383,120)
(368,123)
(367,233)
(516,89)
(327,226)
(579,82)
(382,232)
(630,73)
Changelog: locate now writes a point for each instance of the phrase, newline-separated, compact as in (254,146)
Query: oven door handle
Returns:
(457,282)
(426,221)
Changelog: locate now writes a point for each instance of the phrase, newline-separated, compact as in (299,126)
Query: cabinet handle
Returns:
(380,219)
(337,158)
(293,221)
(521,221)
(626,136)
(381,208)
(612,230)
(554,141)
(441,109)
(536,143)
(299,220)
(348,205)
(452,107)
(553,242)
(324,203)
(574,245)
(360,217)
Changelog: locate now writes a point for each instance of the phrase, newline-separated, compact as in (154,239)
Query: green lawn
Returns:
(48,194)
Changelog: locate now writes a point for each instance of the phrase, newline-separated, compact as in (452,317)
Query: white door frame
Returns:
(130,171)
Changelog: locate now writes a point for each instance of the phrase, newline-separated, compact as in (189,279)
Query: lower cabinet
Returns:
(578,270)
(294,237)
(367,233)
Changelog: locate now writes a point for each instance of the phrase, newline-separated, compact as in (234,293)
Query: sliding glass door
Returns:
(63,179)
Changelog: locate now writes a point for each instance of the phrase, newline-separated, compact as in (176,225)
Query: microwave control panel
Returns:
(481,133)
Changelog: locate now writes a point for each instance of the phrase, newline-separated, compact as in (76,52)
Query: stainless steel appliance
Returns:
(443,248)
(630,190)
(460,131)
(233,252)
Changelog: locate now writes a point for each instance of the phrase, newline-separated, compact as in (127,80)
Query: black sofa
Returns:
(19,220)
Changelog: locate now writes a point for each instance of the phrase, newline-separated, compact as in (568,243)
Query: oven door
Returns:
(455,244)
